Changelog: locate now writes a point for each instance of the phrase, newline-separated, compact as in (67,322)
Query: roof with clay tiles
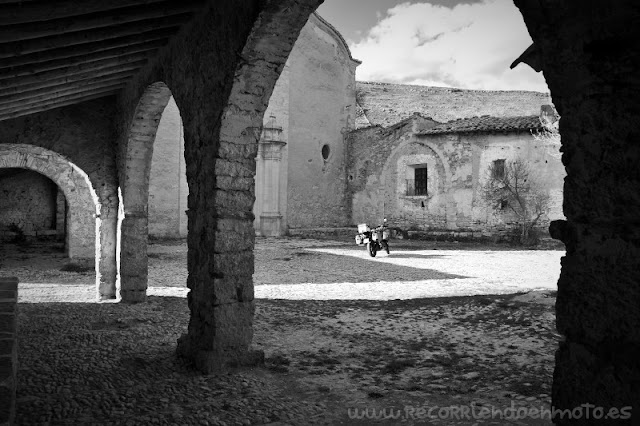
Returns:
(486,124)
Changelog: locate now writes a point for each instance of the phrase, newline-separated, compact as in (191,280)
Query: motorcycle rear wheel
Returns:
(371,248)
(386,246)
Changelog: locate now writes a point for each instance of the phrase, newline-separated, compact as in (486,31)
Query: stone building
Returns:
(301,158)
(424,175)
(83,86)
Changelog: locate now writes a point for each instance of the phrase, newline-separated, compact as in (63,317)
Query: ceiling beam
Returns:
(94,69)
(65,67)
(62,90)
(51,106)
(88,78)
(12,13)
(137,51)
(44,100)
(110,18)
(121,44)
(8,50)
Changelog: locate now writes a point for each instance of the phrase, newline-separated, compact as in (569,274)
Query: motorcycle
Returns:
(375,239)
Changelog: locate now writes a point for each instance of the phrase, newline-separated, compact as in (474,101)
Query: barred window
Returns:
(420,181)
(498,169)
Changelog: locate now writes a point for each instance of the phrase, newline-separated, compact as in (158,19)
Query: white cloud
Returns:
(468,46)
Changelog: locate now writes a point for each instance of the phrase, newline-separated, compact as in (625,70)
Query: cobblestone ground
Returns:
(327,361)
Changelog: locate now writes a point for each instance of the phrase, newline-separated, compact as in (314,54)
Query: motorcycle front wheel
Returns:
(386,246)
(371,248)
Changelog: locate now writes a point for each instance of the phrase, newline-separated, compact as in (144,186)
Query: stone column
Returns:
(106,267)
(61,213)
(220,152)
(133,252)
(268,180)
(8,348)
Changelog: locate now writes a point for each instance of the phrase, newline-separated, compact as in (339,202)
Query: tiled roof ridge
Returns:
(486,123)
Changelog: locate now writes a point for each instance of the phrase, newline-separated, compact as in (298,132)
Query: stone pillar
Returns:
(133,254)
(61,214)
(268,180)
(220,152)
(590,55)
(8,348)
(106,268)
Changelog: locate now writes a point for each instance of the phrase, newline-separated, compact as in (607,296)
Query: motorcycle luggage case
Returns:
(362,228)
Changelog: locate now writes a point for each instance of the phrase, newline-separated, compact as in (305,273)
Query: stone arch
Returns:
(135,191)
(388,183)
(220,171)
(74,183)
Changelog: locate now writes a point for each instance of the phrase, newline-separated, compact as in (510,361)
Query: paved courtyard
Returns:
(327,361)
(303,269)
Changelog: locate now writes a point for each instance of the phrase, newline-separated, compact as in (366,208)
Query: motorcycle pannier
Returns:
(362,228)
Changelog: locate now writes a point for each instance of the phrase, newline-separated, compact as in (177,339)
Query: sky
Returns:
(465,44)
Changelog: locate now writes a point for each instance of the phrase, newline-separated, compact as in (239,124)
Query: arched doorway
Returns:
(80,197)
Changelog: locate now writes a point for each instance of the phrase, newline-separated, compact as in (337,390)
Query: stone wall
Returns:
(82,133)
(28,200)
(382,160)
(8,349)
(322,111)
(81,198)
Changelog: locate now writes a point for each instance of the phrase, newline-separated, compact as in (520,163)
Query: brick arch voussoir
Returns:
(74,184)
(139,152)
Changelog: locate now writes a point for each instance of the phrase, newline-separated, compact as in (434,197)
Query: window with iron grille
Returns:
(417,178)
(498,169)
(420,181)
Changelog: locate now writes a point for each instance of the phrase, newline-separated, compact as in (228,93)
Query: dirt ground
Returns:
(460,360)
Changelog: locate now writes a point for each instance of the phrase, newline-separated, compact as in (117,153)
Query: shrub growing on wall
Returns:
(514,189)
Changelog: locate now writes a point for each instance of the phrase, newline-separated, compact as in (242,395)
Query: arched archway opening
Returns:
(168,189)
(74,184)
(32,207)
(134,229)
(77,209)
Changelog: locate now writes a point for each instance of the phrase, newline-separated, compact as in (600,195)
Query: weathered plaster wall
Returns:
(168,188)
(277,111)
(320,100)
(29,201)
(322,110)
(546,170)
(380,163)
(369,150)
